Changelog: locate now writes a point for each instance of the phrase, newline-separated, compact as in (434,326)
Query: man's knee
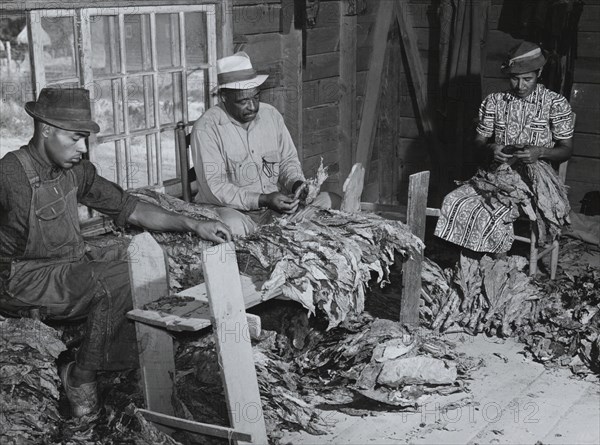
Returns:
(238,223)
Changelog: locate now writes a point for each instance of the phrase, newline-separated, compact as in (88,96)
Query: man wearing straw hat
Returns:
(45,268)
(246,162)
(527,127)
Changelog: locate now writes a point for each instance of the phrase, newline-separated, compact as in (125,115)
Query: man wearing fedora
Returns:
(527,126)
(246,162)
(45,266)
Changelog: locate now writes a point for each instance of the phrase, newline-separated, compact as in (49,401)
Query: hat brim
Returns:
(69,125)
(244,84)
(524,67)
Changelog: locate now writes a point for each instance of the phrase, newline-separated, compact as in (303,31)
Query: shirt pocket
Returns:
(270,166)
(499,131)
(55,225)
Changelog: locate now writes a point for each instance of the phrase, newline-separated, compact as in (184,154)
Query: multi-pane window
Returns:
(147,68)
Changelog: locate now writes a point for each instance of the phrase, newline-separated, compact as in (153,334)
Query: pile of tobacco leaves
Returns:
(558,320)
(305,371)
(32,409)
(324,263)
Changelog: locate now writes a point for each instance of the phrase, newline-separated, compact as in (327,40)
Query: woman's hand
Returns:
(499,155)
(530,154)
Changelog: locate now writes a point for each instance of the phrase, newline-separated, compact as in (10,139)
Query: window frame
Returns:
(86,79)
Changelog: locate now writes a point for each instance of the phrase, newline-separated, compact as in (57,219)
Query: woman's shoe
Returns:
(84,398)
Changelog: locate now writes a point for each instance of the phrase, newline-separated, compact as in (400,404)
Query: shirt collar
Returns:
(531,98)
(47,168)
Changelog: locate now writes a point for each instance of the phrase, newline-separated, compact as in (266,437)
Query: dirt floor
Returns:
(514,401)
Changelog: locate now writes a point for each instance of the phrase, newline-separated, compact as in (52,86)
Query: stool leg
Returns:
(554,259)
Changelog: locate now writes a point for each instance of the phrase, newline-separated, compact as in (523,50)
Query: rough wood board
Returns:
(236,361)
(320,66)
(148,275)
(319,118)
(322,40)
(256,19)
(322,91)
(352,188)
(370,106)
(411,270)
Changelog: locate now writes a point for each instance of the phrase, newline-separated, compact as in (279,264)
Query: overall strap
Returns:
(25,159)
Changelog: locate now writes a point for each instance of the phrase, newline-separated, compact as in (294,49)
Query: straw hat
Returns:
(236,73)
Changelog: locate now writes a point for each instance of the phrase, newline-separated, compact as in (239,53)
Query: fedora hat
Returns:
(236,73)
(65,108)
(524,58)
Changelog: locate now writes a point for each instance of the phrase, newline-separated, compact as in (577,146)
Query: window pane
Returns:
(106,53)
(140,102)
(105,160)
(169,157)
(166,99)
(105,95)
(197,85)
(58,41)
(167,40)
(138,162)
(16,127)
(137,42)
(196,40)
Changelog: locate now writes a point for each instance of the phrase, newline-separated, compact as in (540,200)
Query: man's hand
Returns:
(213,231)
(279,202)
(499,155)
(304,192)
(530,154)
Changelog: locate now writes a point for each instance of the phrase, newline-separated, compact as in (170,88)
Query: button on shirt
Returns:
(234,166)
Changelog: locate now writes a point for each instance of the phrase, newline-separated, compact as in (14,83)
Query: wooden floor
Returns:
(514,401)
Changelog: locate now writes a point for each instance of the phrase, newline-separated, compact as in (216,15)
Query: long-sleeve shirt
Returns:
(15,198)
(234,166)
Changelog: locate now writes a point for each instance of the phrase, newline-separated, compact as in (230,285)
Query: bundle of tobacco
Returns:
(29,381)
(486,295)
(325,263)
(533,189)
(566,329)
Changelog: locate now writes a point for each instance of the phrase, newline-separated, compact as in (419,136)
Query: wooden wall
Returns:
(583,173)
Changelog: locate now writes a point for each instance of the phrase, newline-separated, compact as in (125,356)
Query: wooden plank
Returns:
(588,44)
(587,70)
(320,66)
(322,40)
(36,55)
(585,144)
(195,427)
(584,169)
(256,19)
(322,91)
(132,5)
(234,350)
(370,111)
(226,26)
(329,14)
(347,93)
(264,49)
(418,79)
(148,276)
(352,188)
(320,141)
(408,128)
(585,102)
(411,269)
(589,18)
(292,80)
(321,117)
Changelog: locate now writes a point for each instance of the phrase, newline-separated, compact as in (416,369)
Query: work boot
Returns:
(83,398)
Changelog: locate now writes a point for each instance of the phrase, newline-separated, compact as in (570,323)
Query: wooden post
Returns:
(226,23)
(418,185)
(348,42)
(148,276)
(368,122)
(417,76)
(226,302)
(292,81)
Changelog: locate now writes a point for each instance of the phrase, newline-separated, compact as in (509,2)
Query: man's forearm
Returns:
(153,217)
